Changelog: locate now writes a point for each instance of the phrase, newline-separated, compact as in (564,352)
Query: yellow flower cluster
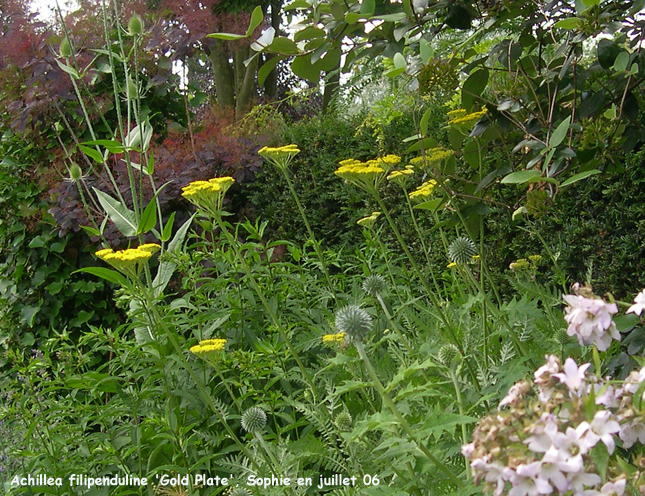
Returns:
(400,176)
(389,161)
(369,221)
(521,264)
(280,156)
(456,114)
(128,260)
(365,175)
(535,258)
(424,191)
(332,339)
(431,156)
(208,346)
(463,119)
(208,195)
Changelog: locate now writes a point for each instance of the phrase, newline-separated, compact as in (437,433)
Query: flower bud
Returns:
(75,172)
(135,26)
(254,419)
(354,322)
(462,250)
(344,421)
(65,48)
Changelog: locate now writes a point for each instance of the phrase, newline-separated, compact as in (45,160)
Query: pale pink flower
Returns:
(602,428)
(590,320)
(573,376)
(495,473)
(639,304)
(632,432)
(578,480)
(526,481)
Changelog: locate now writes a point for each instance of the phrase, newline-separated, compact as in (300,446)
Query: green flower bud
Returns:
(449,354)
(462,250)
(254,419)
(135,26)
(75,172)
(131,89)
(65,48)
(344,421)
(374,285)
(354,322)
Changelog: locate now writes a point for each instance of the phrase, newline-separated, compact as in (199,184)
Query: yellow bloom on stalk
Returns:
(465,120)
(280,156)
(451,265)
(368,222)
(400,176)
(128,261)
(521,264)
(424,191)
(365,175)
(208,346)
(331,339)
(456,114)
(535,258)
(208,195)
(389,161)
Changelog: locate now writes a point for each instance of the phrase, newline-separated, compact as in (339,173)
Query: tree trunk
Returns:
(223,75)
(247,91)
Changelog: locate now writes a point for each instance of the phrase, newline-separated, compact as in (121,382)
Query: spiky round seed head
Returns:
(65,48)
(254,419)
(344,421)
(448,354)
(561,337)
(354,322)
(462,250)
(75,172)
(135,25)
(374,285)
(239,491)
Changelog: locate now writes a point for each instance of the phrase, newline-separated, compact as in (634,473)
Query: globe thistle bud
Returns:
(254,419)
(65,48)
(374,285)
(135,25)
(449,354)
(239,491)
(354,322)
(561,337)
(131,89)
(343,421)
(75,172)
(462,250)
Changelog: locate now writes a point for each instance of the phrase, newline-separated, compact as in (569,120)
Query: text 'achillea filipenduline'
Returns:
(590,320)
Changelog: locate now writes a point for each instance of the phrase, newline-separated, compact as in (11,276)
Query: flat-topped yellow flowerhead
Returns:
(131,260)
(280,156)
(424,191)
(208,346)
(460,119)
(369,221)
(432,156)
(208,195)
(365,175)
(401,176)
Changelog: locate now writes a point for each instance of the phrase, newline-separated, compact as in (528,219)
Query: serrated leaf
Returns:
(577,177)
(560,133)
(122,216)
(520,177)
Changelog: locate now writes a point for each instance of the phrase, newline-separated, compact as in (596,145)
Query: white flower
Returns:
(543,377)
(579,479)
(590,320)
(516,392)
(495,473)
(602,428)
(639,304)
(573,376)
(555,462)
(526,481)
(632,432)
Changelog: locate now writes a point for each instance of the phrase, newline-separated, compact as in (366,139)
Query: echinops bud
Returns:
(448,354)
(374,285)
(254,419)
(354,322)
(65,48)
(75,172)
(344,421)
(462,250)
